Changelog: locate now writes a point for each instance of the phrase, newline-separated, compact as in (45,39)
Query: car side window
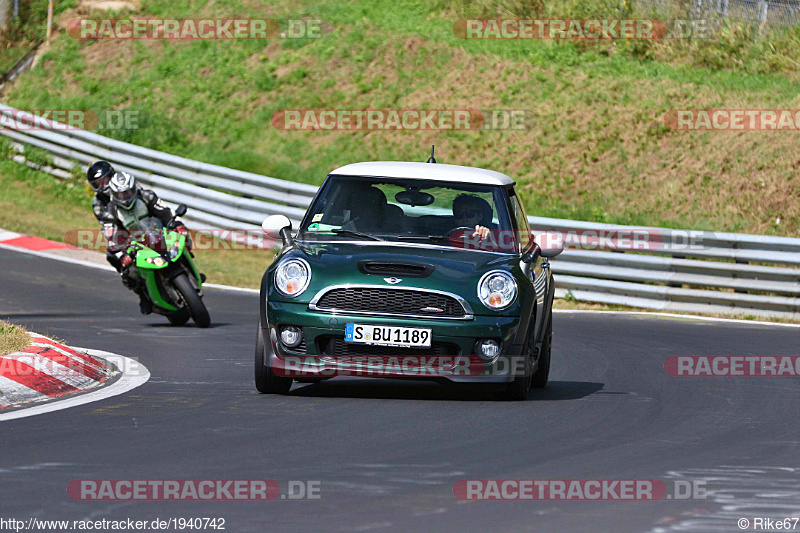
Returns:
(523,228)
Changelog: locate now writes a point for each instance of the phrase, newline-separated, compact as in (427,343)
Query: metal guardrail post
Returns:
(49,19)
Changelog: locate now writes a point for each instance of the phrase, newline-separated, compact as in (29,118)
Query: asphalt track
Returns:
(387,453)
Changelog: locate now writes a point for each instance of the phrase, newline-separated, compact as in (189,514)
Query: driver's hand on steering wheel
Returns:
(481,232)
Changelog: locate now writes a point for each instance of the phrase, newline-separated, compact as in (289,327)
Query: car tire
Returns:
(517,390)
(542,373)
(266,380)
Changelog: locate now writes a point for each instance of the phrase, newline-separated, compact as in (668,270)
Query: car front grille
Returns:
(379,300)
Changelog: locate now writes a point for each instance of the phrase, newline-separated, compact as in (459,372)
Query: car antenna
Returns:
(432,159)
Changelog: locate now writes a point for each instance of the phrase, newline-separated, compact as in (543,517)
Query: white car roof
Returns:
(425,171)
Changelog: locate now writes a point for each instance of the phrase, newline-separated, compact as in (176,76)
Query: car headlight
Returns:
(497,289)
(292,277)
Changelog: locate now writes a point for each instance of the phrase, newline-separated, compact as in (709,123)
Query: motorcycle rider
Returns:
(98,176)
(129,205)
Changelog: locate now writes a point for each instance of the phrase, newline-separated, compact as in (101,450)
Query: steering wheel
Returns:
(461,240)
(450,233)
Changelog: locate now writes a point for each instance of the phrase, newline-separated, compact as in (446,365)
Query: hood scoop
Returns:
(409,270)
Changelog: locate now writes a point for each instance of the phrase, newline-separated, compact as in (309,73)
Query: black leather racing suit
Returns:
(117,224)
(100,204)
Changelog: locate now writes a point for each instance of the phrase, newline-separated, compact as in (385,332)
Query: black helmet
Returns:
(123,190)
(99,174)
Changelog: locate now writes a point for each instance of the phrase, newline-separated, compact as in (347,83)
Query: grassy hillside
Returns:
(22,33)
(597,148)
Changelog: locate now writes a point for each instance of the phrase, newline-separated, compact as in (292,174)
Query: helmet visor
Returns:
(100,183)
(126,197)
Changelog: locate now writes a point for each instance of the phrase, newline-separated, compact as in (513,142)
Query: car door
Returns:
(535,274)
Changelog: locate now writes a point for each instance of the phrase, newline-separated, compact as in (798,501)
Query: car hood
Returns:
(453,270)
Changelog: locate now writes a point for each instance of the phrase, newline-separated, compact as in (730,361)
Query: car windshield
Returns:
(409,210)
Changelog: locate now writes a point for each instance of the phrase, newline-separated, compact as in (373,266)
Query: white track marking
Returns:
(229,288)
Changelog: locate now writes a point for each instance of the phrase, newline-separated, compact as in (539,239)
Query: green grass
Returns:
(597,148)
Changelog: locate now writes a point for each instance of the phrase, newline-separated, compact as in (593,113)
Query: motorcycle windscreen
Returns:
(150,232)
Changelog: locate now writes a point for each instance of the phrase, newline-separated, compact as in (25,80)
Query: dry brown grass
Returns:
(13,338)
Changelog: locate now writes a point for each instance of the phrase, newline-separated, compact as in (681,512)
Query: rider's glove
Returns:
(127,260)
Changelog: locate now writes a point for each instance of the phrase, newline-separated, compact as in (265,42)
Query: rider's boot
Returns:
(145,307)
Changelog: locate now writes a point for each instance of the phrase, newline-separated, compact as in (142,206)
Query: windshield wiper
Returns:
(353,233)
(440,238)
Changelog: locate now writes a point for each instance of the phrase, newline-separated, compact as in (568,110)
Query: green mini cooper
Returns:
(408,270)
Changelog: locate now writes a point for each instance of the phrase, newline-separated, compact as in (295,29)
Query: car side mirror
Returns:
(180,210)
(553,244)
(275,225)
(533,254)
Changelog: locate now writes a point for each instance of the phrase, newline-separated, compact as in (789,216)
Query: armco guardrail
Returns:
(678,270)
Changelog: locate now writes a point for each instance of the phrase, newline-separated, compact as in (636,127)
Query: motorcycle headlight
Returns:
(173,252)
(292,277)
(497,290)
(158,261)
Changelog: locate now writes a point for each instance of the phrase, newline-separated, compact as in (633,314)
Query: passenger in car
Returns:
(372,212)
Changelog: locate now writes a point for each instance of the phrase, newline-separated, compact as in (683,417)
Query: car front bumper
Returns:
(452,357)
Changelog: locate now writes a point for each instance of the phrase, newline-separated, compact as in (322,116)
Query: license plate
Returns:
(387,336)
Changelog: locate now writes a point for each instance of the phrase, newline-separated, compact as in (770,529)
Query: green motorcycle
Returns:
(170,276)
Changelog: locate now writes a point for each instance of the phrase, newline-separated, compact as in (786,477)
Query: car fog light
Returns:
(488,349)
(291,336)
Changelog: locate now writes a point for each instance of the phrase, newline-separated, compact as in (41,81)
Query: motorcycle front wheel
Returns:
(196,306)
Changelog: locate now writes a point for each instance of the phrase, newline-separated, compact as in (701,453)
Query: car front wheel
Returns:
(266,380)
(518,389)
